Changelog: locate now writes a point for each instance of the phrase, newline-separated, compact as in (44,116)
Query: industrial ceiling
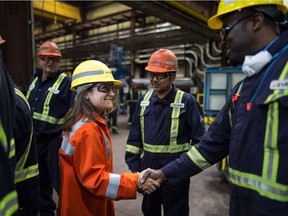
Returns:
(152,25)
(105,30)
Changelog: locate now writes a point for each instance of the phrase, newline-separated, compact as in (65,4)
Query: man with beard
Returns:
(252,126)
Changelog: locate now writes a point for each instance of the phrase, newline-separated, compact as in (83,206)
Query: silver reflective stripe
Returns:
(9,204)
(167,148)
(66,145)
(133,149)
(87,73)
(266,188)
(143,108)
(46,118)
(170,63)
(27,173)
(3,138)
(12,148)
(271,153)
(32,84)
(20,94)
(175,118)
(197,158)
(46,105)
(106,144)
(113,185)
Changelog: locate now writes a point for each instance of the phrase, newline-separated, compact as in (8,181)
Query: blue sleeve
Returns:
(134,146)
(212,147)
(195,120)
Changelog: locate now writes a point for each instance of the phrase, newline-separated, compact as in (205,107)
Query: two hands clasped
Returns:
(149,180)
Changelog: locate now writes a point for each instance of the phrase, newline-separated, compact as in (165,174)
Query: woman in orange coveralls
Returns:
(88,184)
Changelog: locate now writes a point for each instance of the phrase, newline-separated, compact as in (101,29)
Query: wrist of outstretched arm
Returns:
(138,180)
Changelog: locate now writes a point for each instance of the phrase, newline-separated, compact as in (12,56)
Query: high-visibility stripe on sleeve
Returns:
(133,149)
(9,204)
(198,159)
(113,186)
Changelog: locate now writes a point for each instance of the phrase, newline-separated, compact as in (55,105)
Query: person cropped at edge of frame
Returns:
(50,98)
(167,121)
(88,184)
(252,126)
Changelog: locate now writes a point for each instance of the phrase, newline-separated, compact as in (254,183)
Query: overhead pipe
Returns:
(202,57)
(209,55)
(215,48)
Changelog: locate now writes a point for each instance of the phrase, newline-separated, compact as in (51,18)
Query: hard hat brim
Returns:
(157,69)
(216,23)
(115,82)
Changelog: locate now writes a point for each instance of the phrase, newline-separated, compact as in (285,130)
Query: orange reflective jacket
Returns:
(88,186)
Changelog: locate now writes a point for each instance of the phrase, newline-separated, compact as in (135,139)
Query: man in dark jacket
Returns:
(252,127)
(50,98)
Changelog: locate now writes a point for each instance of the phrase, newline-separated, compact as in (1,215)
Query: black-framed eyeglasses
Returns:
(228,28)
(159,76)
(47,59)
(105,88)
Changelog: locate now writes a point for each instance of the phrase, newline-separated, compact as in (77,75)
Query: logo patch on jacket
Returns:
(31,87)
(279,84)
(54,91)
(177,105)
(144,103)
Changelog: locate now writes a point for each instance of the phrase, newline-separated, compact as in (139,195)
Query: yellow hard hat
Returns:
(227,6)
(92,71)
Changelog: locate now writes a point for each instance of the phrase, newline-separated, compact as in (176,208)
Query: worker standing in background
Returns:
(50,98)
(166,123)
(26,170)
(252,126)
(132,98)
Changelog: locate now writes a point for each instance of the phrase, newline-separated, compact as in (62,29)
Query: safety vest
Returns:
(265,184)
(21,173)
(173,146)
(44,116)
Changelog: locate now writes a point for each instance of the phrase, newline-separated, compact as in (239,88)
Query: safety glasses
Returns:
(228,28)
(159,76)
(47,59)
(105,88)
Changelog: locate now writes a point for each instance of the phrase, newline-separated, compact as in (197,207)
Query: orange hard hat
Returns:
(49,48)
(162,61)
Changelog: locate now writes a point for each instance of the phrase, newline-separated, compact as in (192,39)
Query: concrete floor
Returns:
(209,196)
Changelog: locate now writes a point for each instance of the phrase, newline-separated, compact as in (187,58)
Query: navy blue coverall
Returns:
(8,194)
(255,139)
(26,171)
(169,127)
(50,100)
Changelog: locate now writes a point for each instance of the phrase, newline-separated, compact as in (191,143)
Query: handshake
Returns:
(149,180)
